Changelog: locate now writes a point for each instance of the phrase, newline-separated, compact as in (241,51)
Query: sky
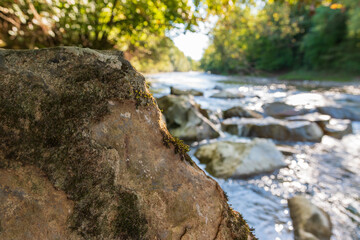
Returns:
(192,44)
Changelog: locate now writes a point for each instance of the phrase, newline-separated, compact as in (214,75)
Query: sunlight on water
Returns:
(308,100)
(328,171)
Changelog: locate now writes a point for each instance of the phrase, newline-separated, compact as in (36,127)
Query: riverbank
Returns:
(339,76)
(304,76)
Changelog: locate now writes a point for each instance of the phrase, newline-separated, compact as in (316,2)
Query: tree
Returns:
(97,24)
(286,34)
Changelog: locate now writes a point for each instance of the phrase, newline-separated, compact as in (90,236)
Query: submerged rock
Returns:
(310,222)
(184,119)
(237,160)
(241,112)
(338,128)
(227,94)
(84,154)
(339,113)
(281,110)
(177,91)
(274,128)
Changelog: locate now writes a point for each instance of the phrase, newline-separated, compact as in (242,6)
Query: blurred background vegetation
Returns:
(302,36)
(137,27)
(250,37)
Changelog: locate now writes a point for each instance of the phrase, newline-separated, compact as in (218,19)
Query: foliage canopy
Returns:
(137,27)
(285,35)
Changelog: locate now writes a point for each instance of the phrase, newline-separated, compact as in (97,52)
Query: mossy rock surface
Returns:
(84,121)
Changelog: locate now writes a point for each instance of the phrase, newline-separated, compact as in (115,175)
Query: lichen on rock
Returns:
(87,122)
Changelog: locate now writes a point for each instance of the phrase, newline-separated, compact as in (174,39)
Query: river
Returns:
(329,171)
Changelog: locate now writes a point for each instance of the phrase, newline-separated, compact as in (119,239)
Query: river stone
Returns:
(177,91)
(241,112)
(319,119)
(281,110)
(84,154)
(227,94)
(274,128)
(310,222)
(238,160)
(338,128)
(339,113)
(185,120)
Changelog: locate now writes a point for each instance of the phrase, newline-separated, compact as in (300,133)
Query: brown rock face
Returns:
(31,208)
(84,154)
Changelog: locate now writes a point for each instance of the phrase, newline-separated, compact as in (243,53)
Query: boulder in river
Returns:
(227,94)
(177,91)
(184,119)
(339,113)
(84,154)
(274,128)
(338,128)
(281,110)
(241,112)
(310,222)
(319,119)
(238,159)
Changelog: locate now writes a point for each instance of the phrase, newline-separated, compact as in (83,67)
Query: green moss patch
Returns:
(239,228)
(179,146)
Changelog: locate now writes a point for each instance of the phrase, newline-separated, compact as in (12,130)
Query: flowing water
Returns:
(329,171)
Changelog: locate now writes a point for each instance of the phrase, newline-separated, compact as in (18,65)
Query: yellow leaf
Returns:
(276,17)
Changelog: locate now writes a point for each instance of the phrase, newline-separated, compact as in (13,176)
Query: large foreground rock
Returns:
(84,154)
(274,128)
(310,222)
(237,160)
(31,208)
(185,119)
